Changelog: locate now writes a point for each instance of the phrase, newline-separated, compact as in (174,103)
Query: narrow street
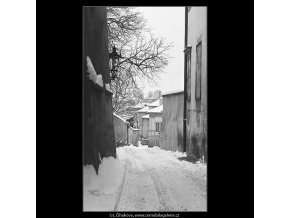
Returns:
(159,180)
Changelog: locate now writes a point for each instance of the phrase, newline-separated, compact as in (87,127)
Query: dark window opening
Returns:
(158,127)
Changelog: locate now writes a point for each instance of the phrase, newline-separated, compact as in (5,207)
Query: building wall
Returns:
(121,132)
(99,139)
(196,124)
(140,123)
(145,122)
(154,136)
(172,118)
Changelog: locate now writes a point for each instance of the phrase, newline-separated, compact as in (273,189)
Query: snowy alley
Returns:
(146,179)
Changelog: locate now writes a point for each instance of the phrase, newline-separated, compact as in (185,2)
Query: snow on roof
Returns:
(120,118)
(139,105)
(98,79)
(146,116)
(173,92)
(144,109)
(156,110)
(155,103)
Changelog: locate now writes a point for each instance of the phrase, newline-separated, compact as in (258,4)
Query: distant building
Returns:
(139,121)
(142,112)
(172,121)
(195,82)
(154,104)
(155,126)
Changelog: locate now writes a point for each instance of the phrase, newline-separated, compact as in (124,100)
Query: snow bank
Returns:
(108,87)
(198,167)
(100,191)
(110,174)
(98,79)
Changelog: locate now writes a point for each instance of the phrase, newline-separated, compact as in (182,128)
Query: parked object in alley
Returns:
(195,77)
(172,121)
(133,135)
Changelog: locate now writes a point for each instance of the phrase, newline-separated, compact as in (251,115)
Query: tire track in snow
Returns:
(138,192)
(121,189)
(162,192)
(155,174)
(197,180)
(173,180)
(166,200)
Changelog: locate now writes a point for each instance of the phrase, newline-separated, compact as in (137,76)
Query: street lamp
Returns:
(114,59)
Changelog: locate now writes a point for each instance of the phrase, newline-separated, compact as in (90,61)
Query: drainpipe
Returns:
(185,81)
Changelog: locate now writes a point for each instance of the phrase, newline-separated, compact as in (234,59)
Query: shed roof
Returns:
(139,105)
(144,109)
(156,110)
(173,92)
(146,116)
(155,103)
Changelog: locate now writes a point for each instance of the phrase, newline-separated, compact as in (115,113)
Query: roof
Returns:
(155,103)
(149,100)
(146,116)
(173,92)
(156,110)
(144,109)
(139,105)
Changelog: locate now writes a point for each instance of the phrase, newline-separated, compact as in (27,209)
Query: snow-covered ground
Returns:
(146,179)
(101,191)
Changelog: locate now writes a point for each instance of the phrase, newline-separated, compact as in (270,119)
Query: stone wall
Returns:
(125,134)
(121,132)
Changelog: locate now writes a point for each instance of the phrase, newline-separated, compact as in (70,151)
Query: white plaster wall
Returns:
(197,31)
(153,118)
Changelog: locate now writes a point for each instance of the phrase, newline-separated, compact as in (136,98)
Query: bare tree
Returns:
(125,94)
(144,56)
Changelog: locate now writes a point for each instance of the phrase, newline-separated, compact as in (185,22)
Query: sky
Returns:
(168,22)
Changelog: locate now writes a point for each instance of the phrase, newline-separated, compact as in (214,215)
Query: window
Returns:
(158,127)
(198,73)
